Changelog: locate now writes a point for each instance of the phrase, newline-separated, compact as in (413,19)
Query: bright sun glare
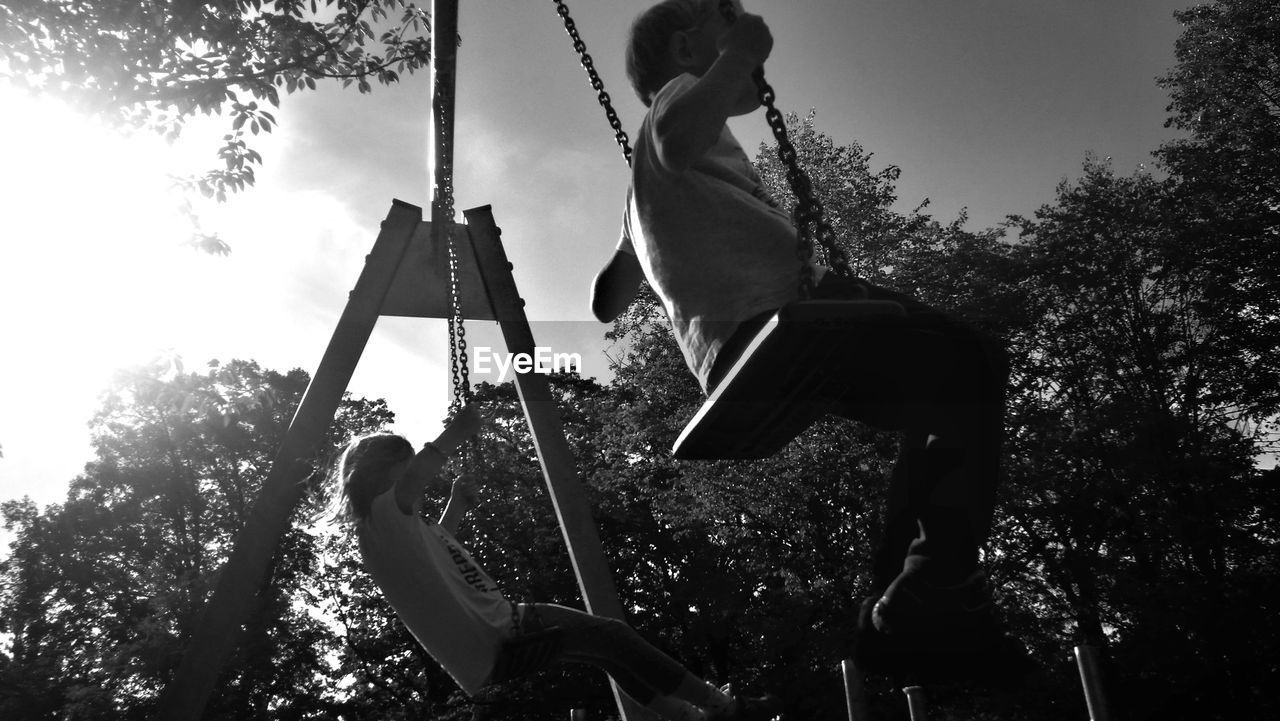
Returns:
(93,270)
(96,275)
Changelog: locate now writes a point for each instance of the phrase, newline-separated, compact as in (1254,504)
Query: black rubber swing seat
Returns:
(780,383)
(527,654)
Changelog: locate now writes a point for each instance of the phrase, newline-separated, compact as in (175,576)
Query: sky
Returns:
(985,105)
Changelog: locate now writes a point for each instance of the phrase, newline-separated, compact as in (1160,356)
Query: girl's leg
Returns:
(644,673)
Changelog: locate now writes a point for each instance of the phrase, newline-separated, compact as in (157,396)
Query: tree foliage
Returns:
(1138,414)
(1225,92)
(101,591)
(155,65)
(1225,89)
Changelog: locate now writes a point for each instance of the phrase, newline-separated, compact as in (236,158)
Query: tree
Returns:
(101,591)
(1225,89)
(1225,95)
(155,65)
(856,200)
(1135,427)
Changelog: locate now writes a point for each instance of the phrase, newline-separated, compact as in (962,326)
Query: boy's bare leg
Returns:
(947,386)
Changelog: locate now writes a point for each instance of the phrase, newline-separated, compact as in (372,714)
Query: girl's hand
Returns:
(464,425)
(464,491)
(461,498)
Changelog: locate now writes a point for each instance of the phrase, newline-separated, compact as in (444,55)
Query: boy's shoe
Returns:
(938,634)
(763,708)
(913,605)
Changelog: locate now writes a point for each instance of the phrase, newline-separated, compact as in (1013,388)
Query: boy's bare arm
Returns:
(693,122)
(615,286)
(428,462)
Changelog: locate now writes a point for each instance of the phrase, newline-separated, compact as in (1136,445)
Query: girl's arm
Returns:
(428,462)
(461,499)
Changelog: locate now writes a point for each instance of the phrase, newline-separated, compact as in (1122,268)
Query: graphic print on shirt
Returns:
(469,571)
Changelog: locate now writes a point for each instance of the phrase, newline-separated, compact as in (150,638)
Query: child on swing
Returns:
(720,254)
(456,611)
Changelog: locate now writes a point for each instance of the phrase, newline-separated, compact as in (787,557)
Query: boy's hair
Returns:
(364,458)
(649,43)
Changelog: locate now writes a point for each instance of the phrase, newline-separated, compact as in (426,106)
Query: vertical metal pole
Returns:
(543,415)
(1089,661)
(855,691)
(444,66)
(916,703)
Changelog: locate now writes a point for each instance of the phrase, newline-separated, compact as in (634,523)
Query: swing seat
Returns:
(779,385)
(527,654)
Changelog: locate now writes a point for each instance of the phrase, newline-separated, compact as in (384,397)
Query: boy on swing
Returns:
(720,254)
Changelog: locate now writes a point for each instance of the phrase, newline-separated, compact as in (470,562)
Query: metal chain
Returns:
(597,84)
(444,214)
(457,336)
(808,212)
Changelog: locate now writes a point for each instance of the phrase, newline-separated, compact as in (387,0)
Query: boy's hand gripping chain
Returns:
(808,212)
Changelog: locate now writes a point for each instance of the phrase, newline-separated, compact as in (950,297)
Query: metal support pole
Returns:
(248,567)
(444,66)
(855,692)
(543,415)
(916,703)
(1088,659)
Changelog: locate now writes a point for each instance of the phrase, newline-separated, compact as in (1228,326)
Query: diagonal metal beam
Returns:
(245,573)
(543,415)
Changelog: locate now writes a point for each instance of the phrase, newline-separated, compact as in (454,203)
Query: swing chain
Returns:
(808,213)
(457,336)
(444,212)
(619,135)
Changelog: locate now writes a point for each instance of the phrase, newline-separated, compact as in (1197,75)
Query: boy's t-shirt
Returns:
(446,601)
(715,246)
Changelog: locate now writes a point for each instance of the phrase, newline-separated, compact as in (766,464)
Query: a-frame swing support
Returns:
(391,283)
(543,415)
(246,573)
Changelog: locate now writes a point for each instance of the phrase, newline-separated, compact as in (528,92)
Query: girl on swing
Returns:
(457,612)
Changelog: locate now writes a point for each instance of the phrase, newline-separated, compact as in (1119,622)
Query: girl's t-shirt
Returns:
(442,596)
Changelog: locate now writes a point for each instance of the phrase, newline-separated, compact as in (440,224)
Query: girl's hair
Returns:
(353,478)
(649,44)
